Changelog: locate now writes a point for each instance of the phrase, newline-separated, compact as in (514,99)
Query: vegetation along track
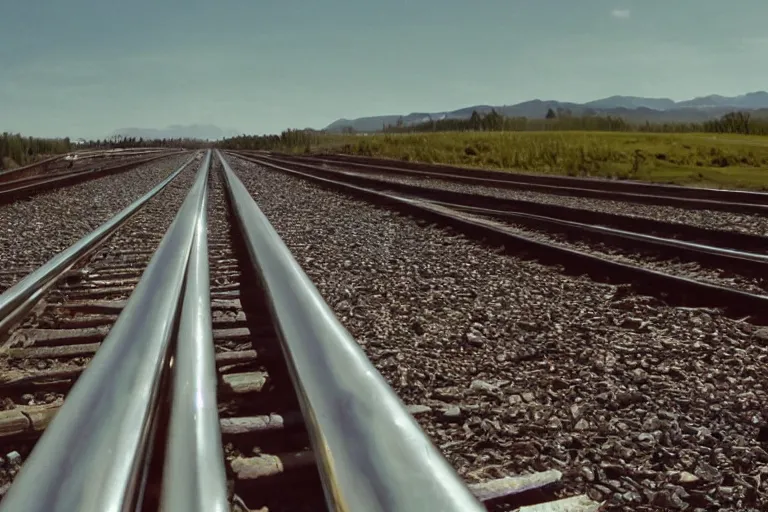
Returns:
(103,337)
(705,271)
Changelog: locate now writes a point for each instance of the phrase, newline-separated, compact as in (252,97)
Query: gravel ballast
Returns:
(142,232)
(710,219)
(729,278)
(517,367)
(32,231)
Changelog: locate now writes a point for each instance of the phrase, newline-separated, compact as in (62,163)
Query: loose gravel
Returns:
(33,231)
(516,367)
(730,278)
(710,219)
(142,231)
(693,270)
(240,450)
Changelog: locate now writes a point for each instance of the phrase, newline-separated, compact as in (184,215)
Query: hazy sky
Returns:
(88,67)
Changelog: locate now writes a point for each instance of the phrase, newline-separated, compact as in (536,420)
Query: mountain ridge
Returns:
(632,108)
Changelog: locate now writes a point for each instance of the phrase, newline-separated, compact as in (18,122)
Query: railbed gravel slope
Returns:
(728,221)
(730,278)
(520,368)
(144,230)
(33,231)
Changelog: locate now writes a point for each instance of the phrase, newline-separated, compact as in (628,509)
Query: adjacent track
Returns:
(647,193)
(619,390)
(24,184)
(463,211)
(72,161)
(675,230)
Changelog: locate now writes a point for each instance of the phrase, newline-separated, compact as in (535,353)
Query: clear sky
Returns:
(84,68)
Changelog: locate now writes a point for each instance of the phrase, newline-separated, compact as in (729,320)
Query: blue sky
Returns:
(84,68)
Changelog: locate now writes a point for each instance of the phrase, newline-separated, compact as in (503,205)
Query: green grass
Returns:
(722,161)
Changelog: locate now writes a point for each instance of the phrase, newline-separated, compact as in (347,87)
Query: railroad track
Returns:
(630,191)
(70,161)
(470,198)
(43,166)
(55,173)
(182,348)
(490,223)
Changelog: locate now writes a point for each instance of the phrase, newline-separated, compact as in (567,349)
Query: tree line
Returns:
(288,139)
(121,142)
(16,150)
(562,119)
(735,122)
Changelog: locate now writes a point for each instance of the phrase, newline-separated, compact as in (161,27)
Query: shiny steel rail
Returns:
(371,453)
(17,300)
(94,455)
(194,478)
(24,187)
(670,247)
(671,287)
(715,250)
(566,185)
(735,240)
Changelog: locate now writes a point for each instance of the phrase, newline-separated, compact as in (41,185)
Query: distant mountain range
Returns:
(631,108)
(176,131)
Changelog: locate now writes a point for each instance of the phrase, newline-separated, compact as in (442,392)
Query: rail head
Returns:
(93,457)
(372,454)
(194,478)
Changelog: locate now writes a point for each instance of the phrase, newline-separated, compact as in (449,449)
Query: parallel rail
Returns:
(13,190)
(369,451)
(747,242)
(31,169)
(64,162)
(725,248)
(678,289)
(608,185)
(667,195)
(711,255)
